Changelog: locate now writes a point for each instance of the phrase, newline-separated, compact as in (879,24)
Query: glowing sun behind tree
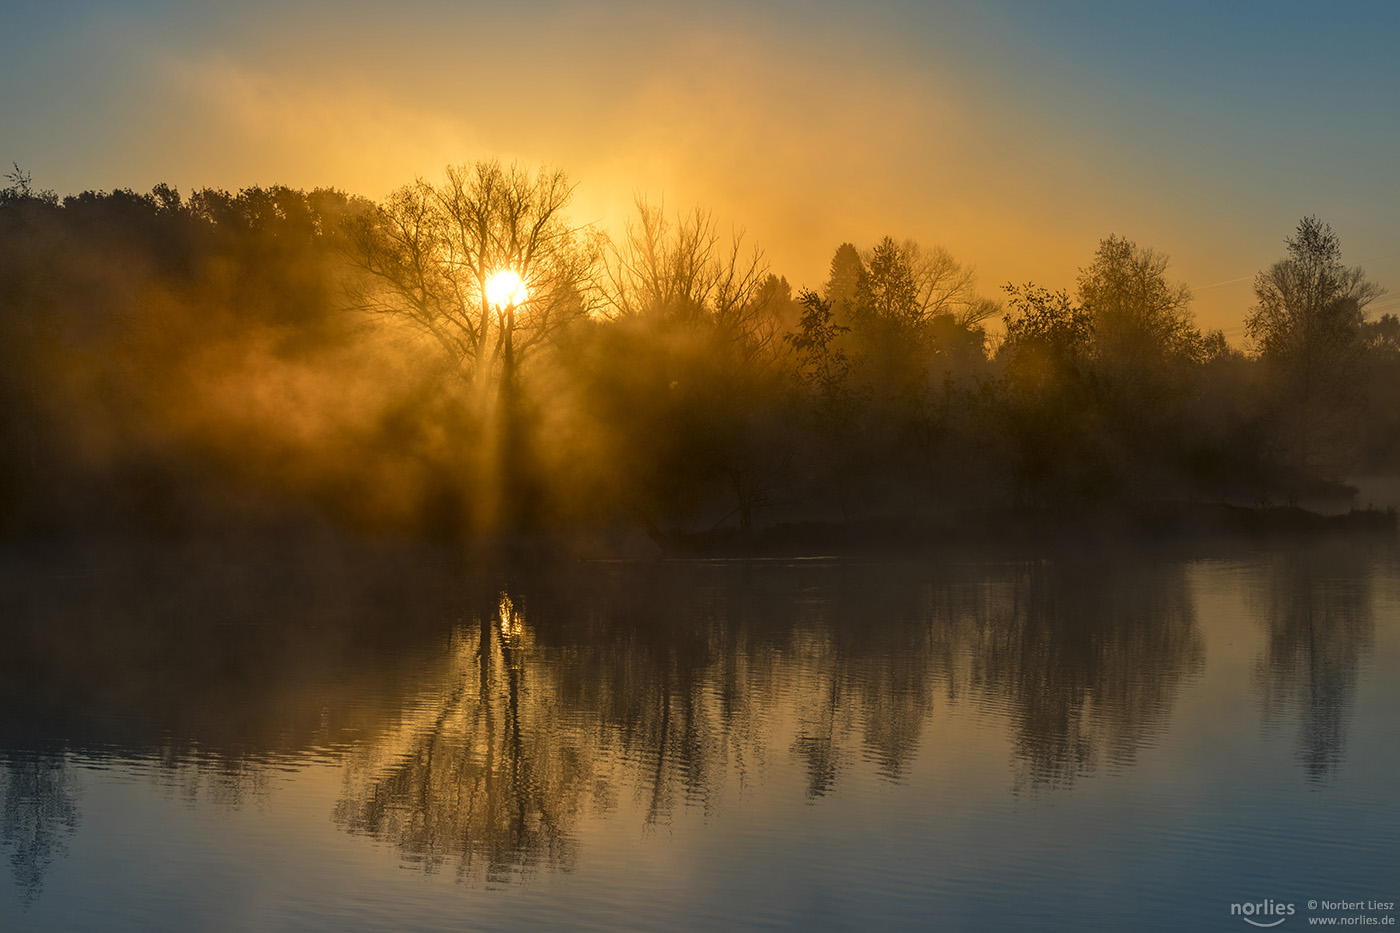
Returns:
(505,289)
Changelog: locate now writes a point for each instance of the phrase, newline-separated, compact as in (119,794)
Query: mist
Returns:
(279,358)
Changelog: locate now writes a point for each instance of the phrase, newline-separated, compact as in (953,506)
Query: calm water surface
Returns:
(388,742)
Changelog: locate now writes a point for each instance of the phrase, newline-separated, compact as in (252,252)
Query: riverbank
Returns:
(1036,532)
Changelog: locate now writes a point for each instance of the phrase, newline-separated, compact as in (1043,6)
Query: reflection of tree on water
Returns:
(821,723)
(540,722)
(1317,609)
(675,684)
(889,654)
(1085,663)
(207,668)
(38,814)
(569,692)
(1088,664)
(663,685)
(485,773)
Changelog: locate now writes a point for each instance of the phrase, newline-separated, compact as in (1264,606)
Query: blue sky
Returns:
(1015,134)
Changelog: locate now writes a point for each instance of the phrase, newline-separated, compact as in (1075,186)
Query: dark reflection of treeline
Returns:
(1316,609)
(279,356)
(482,716)
(215,640)
(673,686)
(1069,656)
(38,814)
(203,667)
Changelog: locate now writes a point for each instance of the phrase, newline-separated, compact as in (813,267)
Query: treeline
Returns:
(276,355)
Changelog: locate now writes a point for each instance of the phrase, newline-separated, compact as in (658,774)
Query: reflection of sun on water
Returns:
(506,288)
(512,626)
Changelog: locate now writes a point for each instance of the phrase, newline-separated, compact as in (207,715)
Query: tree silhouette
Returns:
(890,292)
(682,273)
(1146,348)
(1139,316)
(430,250)
(822,364)
(846,282)
(1046,401)
(21,188)
(1306,325)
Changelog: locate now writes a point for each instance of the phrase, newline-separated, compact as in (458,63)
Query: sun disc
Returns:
(505,288)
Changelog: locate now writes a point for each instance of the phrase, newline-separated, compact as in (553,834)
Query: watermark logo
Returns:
(1265,913)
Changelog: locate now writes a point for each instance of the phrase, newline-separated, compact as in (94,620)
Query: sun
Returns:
(506,288)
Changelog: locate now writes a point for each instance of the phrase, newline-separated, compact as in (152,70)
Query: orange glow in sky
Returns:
(1016,135)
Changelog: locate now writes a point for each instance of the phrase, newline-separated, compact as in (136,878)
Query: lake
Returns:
(303,737)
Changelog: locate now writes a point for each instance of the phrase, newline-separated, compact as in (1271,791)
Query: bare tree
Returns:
(915,284)
(661,269)
(430,251)
(682,272)
(945,286)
